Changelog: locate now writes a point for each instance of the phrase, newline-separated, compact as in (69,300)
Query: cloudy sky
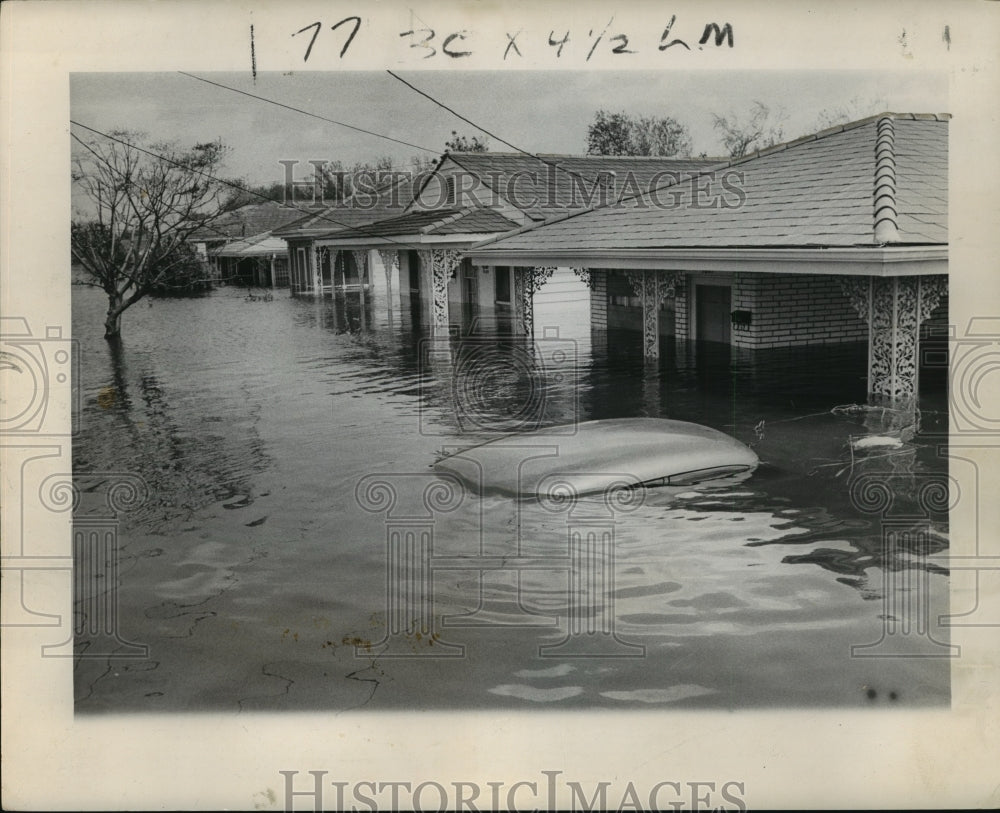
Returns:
(536,111)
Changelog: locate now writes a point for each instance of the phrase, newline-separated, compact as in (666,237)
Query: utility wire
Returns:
(415,89)
(319,215)
(308,113)
(469,121)
(549,162)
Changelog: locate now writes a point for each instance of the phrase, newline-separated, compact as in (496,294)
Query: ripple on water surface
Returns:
(260,580)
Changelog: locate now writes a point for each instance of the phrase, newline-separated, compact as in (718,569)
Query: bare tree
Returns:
(421,163)
(856,108)
(143,203)
(761,127)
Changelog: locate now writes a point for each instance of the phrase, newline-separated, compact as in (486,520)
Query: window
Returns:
(302,270)
(502,284)
(280,271)
(620,293)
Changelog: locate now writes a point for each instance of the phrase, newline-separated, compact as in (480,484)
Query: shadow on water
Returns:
(187,459)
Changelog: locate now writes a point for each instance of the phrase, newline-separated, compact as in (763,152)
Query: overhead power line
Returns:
(543,159)
(309,113)
(321,215)
(482,129)
(546,161)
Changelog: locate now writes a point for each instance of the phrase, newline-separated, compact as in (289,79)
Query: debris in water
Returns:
(873,441)
(243,502)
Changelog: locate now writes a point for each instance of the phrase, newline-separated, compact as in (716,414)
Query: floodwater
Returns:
(281,442)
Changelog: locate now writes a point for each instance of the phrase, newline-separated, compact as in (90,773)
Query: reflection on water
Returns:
(260,579)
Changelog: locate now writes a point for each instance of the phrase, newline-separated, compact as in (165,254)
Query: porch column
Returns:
(894,308)
(338,259)
(274,278)
(526,282)
(390,261)
(361,263)
(317,269)
(652,287)
(441,263)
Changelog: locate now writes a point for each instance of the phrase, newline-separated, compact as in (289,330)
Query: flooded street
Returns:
(257,570)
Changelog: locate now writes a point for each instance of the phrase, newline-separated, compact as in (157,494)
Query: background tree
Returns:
(609,134)
(856,108)
(622,134)
(241,192)
(329,182)
(421,163)
(143,203)
(761,127)
(339,181)
(462,143)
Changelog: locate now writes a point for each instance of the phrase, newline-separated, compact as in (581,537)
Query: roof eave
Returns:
(879,261)
(404,241)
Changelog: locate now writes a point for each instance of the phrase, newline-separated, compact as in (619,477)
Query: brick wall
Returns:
(681,307)
(796,309)
(787,310)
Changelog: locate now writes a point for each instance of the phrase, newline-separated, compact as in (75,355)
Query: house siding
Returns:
(598,299)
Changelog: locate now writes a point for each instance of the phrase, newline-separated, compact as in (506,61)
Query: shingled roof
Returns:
(879,181)
(391,200)
(430,222)
(547,185)
(258,245)
(254,218)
